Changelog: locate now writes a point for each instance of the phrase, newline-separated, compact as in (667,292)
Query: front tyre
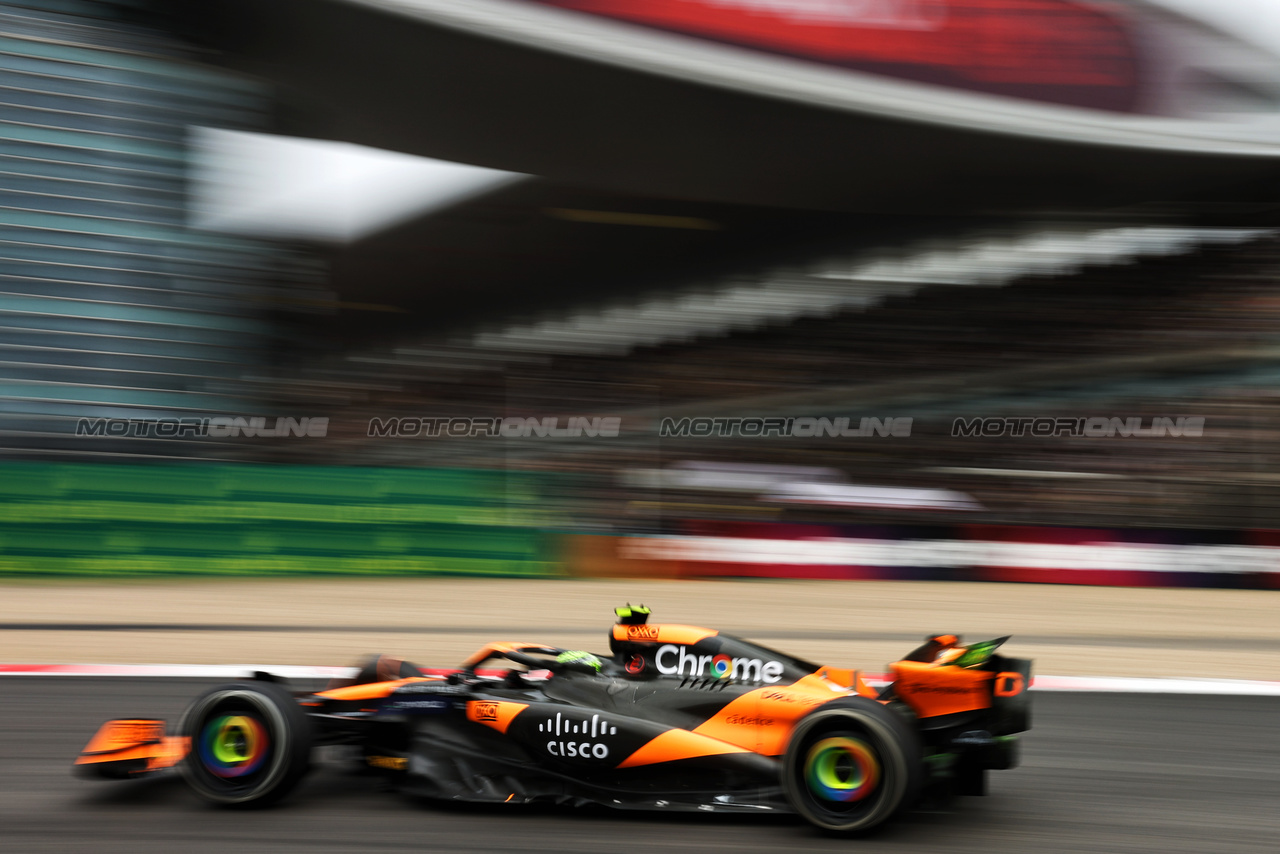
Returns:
(250,744)
(851,765)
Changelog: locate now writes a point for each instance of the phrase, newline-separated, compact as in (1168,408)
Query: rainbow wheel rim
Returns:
(233,745)
(841,769)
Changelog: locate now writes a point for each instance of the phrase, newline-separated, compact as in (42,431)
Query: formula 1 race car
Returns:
(677,718)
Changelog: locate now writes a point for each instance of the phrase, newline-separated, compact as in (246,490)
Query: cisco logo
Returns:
(586,745)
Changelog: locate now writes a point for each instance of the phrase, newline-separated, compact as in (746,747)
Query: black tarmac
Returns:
(1102,773)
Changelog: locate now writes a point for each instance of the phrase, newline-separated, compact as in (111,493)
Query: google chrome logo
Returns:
(721,666)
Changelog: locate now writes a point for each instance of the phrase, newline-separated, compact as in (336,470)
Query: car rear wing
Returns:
(944,681)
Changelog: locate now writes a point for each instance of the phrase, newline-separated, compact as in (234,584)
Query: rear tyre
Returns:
(250,744)
(851,765)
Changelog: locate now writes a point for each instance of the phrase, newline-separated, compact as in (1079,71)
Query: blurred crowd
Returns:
(1195,333)
(1188,335)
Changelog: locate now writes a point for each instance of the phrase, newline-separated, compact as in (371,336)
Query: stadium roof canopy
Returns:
(746,100)
(711,134)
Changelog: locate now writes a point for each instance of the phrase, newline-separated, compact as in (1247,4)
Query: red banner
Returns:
(1047,50)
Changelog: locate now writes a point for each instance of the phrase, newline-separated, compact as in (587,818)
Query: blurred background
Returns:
(659,288)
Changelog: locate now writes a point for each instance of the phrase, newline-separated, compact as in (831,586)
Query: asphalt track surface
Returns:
(1103,773)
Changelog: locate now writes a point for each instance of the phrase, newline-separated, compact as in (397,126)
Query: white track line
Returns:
(1156,686)
(1107,684)
(199,671)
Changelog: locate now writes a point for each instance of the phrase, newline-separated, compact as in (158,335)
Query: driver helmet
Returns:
(585,658)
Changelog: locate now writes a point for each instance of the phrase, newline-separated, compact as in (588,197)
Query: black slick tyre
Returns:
(851,765)
(250,744)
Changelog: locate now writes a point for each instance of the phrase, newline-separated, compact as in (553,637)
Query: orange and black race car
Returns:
(676,718)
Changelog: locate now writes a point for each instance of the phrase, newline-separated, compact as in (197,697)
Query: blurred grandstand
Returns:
(1037,255)
(1188,329)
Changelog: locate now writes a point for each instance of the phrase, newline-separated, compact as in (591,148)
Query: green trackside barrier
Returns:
(217,519)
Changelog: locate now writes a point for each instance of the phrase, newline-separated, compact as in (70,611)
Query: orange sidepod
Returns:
(762,720)
(662,633)
(932,690)
(495,715)
(678,744)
